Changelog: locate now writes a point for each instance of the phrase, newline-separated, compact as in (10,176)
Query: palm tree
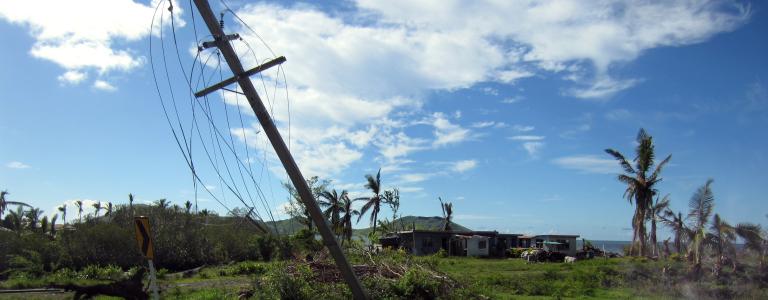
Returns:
(130,202)
(63,210)
(53,224)
(654,213)
(79,204)
(98,207)
(4,202)
(109,209)
(721,237)
(333,202)
(640,184)
(205,213)
(346,220)
(447,208)
(754,239)
(188,206)
(44,224)
(17,219)
(374,184)
(162,203)
(676,223)
(701,205)
(33,216)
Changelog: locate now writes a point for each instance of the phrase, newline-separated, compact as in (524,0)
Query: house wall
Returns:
(478,246)
(571,241)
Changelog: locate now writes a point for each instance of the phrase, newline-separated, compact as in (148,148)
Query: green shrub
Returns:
(416,284)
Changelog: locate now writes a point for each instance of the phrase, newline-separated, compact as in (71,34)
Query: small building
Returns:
(455,243)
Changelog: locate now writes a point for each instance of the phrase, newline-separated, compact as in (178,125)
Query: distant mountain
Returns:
(292,225)
(421,223)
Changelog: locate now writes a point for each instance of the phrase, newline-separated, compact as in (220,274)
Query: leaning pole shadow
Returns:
(242,77)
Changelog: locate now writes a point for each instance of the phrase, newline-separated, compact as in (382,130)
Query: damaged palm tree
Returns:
(641,181)
(447,214)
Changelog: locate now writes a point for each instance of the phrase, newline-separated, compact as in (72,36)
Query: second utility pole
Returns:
(222,42)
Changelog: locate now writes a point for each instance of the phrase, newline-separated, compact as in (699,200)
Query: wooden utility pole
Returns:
(242,78)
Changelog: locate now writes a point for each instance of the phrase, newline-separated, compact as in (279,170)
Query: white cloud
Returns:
(349,81)
(464,165)
(527,138)
(510,100)
(565,36)
(17,165)
(447,133)
(104,86)
(588,164)
(82,34)
(72,77)
(415,177)
(533,148)
(483,124)
(522,128)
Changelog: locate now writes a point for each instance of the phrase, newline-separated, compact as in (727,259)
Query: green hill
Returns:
(292,225)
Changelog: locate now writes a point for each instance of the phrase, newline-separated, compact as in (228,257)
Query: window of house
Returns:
(482,244)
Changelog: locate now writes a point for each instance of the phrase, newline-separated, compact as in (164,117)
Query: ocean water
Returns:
(609,246)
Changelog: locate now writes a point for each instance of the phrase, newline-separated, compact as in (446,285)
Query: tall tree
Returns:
(17,219)
(720,238)
(63,210)
(392,198)
(374,201)
(97,206)
(108,209)
(4,202)
(654,215)
(333,203)
(44,224)
(297,208)
(754,239)
(676,223)
(33,217)
(162,203)
(130,202)
(53,224)
(346,220)
(447,208)
(641,181)
(79,204)
(187,206)
(701,206)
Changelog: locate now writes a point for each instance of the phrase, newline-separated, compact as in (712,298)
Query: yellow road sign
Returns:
(143,237)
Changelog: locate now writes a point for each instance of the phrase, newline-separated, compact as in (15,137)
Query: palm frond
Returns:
(622,160)
(701,205)
(752,234)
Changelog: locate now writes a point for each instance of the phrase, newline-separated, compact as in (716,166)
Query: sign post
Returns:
(144,239)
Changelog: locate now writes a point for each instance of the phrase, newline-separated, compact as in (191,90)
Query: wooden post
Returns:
(281,149)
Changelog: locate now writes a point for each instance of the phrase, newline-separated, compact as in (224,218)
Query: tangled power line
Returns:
(213,132)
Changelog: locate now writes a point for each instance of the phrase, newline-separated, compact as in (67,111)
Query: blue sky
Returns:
(502,109)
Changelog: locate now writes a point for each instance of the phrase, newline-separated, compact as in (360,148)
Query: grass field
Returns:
(622,278)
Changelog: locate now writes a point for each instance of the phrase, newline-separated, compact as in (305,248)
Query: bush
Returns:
(416,284)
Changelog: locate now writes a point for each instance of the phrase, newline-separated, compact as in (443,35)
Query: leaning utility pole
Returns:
(242,78)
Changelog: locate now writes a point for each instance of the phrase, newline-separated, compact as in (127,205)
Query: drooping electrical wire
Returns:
(198,126)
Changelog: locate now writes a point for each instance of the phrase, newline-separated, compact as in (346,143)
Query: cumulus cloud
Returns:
(72,77)
(567,37)
(522,128)
(446,132)
(104,86)
(83,35)
(588,164)
(464,165)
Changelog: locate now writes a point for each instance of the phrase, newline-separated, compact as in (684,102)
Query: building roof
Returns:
(558,235)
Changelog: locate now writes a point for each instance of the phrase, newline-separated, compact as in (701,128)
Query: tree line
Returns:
(698,234)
